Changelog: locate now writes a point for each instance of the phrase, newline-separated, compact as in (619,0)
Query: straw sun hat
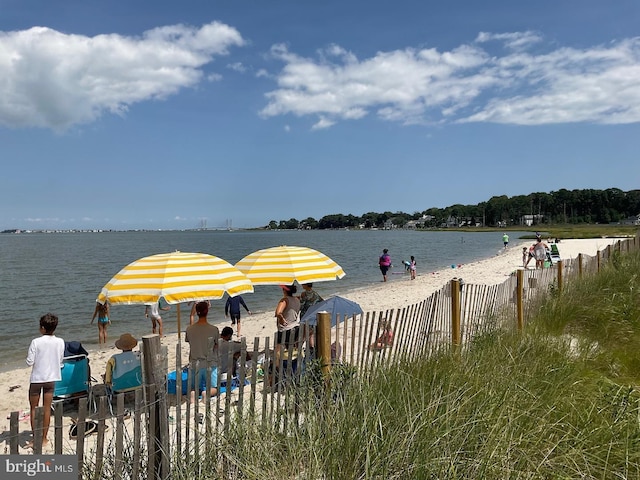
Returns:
(126,342)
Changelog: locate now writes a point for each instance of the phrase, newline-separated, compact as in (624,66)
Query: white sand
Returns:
(400,291)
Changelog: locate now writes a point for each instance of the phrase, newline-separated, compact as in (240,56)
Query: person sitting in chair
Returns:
(386,337)
(227,345)
(122,363)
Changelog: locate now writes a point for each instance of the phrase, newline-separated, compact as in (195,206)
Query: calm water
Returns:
(64,272)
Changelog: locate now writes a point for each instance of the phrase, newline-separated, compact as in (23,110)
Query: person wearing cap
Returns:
(126,343)
(288,316)
(198,336)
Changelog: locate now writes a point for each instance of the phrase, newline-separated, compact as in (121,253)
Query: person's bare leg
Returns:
(159,327)
(238,329)
(102,333)
(34,400)
(154,326)
(47,399)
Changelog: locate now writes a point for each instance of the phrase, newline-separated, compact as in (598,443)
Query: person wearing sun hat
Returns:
(126,343)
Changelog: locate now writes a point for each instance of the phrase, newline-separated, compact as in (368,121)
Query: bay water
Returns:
(63,273)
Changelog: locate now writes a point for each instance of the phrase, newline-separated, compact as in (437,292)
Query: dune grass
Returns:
(558,401)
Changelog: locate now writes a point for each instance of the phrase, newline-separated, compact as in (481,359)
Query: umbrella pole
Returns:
(178,313)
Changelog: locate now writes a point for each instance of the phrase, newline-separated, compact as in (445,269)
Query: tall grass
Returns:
(510,407)
(539,405)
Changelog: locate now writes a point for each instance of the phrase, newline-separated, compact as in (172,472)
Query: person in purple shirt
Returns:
(232,307)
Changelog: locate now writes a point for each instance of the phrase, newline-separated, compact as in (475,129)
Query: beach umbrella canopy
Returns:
(286,264)
(333,305)
(177,277)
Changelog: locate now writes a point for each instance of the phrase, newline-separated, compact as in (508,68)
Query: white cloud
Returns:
(466,84)
(237,67)
(55,80)
(322,124)
(43,220)
(514,40)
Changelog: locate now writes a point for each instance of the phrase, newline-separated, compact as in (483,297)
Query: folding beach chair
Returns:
(127,375)
(76,380)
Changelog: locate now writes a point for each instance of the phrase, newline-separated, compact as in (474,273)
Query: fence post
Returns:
(455,313)
(520,298)
(324,341)
(580,265)
(598,260)
(560,269)
(154,375)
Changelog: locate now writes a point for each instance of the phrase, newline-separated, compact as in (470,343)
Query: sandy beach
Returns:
(399,292)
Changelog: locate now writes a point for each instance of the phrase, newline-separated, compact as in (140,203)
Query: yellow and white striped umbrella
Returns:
(177,277)
(283,265)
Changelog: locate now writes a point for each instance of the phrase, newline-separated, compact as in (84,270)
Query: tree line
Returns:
(564,206)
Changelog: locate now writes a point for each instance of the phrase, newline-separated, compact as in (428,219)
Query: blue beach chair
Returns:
(127,375)
(76,380)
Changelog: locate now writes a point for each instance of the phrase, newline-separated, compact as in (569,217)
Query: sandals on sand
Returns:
(90,426)
(21,416)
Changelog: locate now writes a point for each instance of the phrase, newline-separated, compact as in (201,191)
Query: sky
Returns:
(174,115)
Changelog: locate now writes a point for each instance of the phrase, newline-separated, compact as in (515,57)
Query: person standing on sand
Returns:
(197,336)
(153,311)
(384,262)
(308,298)
(102,311)
(232,307)
(288,317)
(540,252)
(505,240)
(45,356)
(412,267)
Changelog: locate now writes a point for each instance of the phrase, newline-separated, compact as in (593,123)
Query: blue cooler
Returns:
(172,382)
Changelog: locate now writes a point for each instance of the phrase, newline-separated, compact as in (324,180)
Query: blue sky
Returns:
(163,114)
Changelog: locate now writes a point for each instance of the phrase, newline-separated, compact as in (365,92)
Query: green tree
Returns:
(309,222)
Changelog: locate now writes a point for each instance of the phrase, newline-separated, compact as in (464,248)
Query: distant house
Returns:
(413,224)
(529,220)
(388,225)
(632,220)
(422,222)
